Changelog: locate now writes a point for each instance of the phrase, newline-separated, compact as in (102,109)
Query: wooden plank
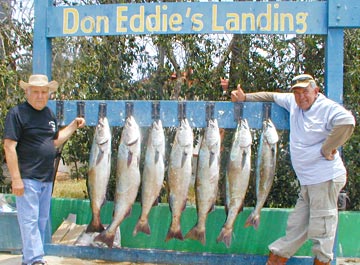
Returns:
(64,228)
(73,234)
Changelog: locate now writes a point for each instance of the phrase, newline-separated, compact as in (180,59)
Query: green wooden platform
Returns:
(249,246)
(245,240)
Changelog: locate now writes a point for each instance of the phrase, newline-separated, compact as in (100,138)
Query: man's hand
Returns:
(330,156)
(17,187)
(238,94)
(80,122)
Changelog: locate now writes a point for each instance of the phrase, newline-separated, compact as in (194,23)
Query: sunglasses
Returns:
(303,78)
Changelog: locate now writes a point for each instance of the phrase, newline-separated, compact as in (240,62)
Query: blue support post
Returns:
(334,65)
(41,44)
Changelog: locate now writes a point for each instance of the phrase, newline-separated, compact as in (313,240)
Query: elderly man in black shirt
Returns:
(30,140)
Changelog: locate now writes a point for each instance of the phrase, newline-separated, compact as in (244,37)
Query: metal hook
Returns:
(129,109)
(102,110)
(181,111)
(238,111)
(155,110)
(266,111)
(60,112)
(81,109)
(210,106)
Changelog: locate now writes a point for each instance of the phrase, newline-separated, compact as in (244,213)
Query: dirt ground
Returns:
(11,259)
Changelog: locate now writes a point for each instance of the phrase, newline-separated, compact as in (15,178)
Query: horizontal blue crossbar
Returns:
(195,111)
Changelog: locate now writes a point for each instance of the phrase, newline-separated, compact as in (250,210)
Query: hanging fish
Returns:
(237,178)
(265,169)
(153,174)
(127,179)
(207,178)
(99,172)
(179,176)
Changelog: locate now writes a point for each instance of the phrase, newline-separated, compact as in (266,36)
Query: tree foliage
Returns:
(153,67)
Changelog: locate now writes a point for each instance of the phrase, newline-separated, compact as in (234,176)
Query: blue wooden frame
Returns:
(324,17)
(327,18)
(168,112)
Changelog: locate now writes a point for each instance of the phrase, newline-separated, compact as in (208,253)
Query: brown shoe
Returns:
(276,260)
(318,262)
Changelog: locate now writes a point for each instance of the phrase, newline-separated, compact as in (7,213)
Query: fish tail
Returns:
(105,238)
(225,236)
(253,220)
(142,226)
(174,232)
(94,226)
(197,234)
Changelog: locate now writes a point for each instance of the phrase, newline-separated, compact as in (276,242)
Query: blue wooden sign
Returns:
(189,18)
(266,17)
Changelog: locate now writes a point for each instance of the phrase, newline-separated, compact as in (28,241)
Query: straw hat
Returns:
(40,80)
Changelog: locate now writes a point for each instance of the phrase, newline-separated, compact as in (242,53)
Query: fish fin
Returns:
(142,226)
(226,209)
(156,202)
(129,158)
(93,227)
(100,156)
(174,233)
(197,234)
(241,208)
(225,236)
(104,238)
(243,161)
(183,158)
(212,208)
(157,155)
(211,158)
(253,220)
(128,213)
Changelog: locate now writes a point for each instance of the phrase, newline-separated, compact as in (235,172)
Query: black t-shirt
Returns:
(34,131)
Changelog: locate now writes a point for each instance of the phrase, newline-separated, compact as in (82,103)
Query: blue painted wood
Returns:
(162,257)
(49,23)
(10,233)
(334,64)
(282,17)
(344,13)
(42,44)
(195,113)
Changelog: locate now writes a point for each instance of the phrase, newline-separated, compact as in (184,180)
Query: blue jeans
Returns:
(33,210)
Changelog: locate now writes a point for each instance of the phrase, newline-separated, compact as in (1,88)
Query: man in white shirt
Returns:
(318,126)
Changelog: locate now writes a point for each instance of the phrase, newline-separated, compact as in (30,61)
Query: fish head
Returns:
(131,131)
(102,131)
(157,133)
(270,133)
(184,134)
(243,135)
(212,134)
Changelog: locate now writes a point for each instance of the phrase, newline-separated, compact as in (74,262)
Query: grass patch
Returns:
(70,188)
